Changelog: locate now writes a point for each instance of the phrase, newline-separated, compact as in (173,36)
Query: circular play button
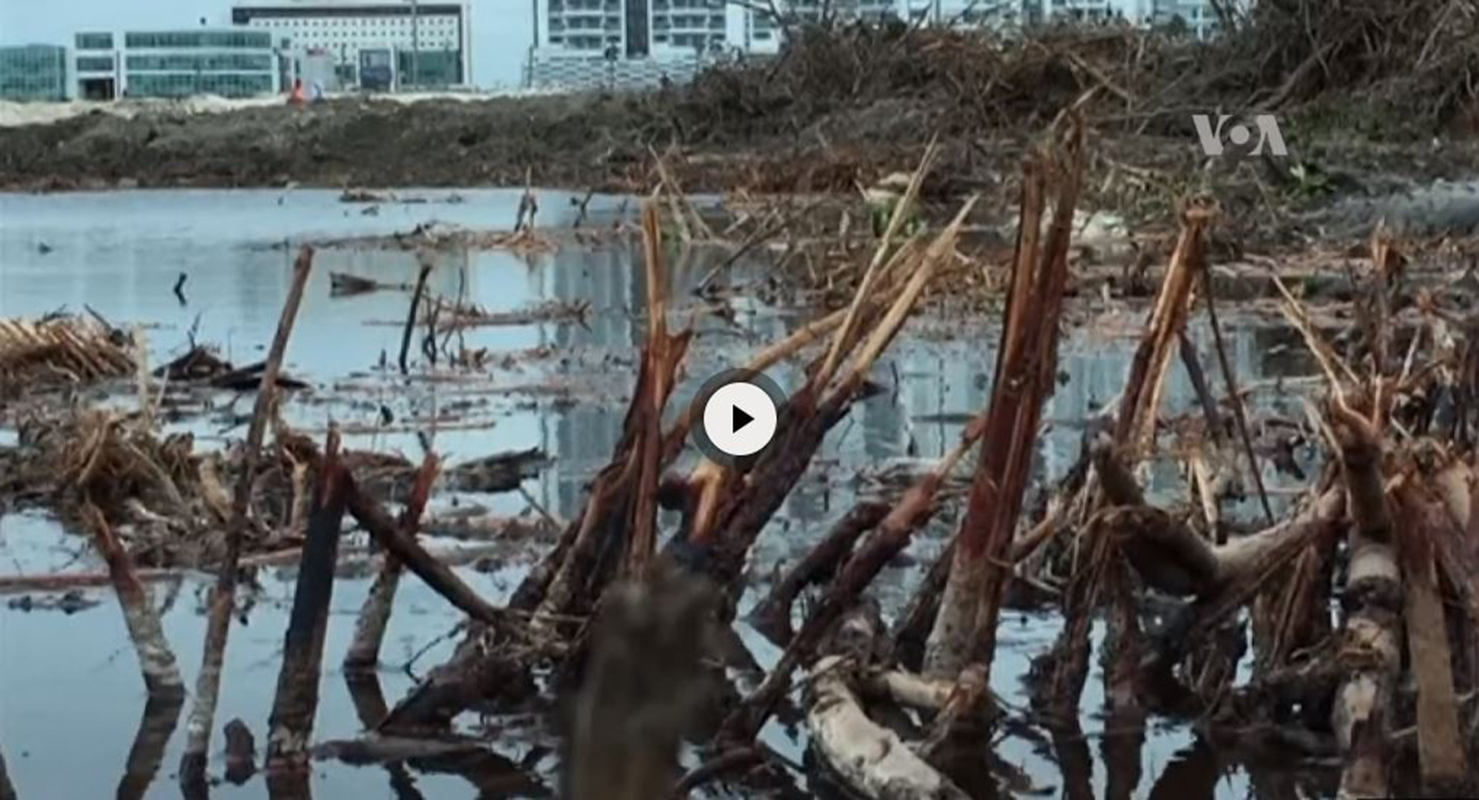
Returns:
(739,415)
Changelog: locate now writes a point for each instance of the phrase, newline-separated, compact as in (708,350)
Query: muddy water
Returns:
(70,697)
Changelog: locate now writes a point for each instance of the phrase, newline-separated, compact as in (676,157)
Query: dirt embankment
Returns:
(1366,92)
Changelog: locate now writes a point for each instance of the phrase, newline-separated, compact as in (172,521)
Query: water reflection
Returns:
(161,715)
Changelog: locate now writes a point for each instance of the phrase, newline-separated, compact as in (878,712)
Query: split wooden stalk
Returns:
(290,724)
(218,624)
(1440,746)
(421,276)
(1141,402)
(1370,653)
(576,571)
(156,659)
(643,541)
(374,616)
(965,628)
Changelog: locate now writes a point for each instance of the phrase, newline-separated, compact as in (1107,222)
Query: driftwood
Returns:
(866,757)
(218,624)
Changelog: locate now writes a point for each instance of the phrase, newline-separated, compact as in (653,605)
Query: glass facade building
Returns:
(35,72)
(230,62)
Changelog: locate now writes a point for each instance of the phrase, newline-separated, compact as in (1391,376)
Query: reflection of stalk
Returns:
(7,791)
(161,715)
(370,707)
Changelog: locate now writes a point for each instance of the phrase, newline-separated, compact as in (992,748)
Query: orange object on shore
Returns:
(296,98)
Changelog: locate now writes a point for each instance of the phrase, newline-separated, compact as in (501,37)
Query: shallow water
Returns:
(70,696)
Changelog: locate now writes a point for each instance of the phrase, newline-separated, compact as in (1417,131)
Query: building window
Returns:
(94,41)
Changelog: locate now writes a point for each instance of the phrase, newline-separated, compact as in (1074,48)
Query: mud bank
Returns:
(837,111)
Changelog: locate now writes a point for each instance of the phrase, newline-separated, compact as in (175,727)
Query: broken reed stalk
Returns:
(218,625)
(807,417)
(1370,653)
(871,275)
(643,539)
(293,708)
(1140,404)
(156,659)
(965,627)
(421,277)
(374,617)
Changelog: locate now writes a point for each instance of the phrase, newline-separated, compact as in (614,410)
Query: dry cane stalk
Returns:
(156,660)
(374,617)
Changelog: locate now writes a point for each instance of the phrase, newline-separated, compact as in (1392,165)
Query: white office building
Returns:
(428,43)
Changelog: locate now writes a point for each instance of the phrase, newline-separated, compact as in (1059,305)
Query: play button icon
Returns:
(739,415)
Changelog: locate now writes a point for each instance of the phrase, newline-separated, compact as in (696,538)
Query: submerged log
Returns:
(295,705)
(867,758)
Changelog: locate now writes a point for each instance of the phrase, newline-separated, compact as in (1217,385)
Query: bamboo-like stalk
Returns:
(296,702)
(218,624)
(374,616)
(643,539)
(156,659)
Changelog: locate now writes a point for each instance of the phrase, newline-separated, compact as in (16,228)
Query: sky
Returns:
(501,29)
